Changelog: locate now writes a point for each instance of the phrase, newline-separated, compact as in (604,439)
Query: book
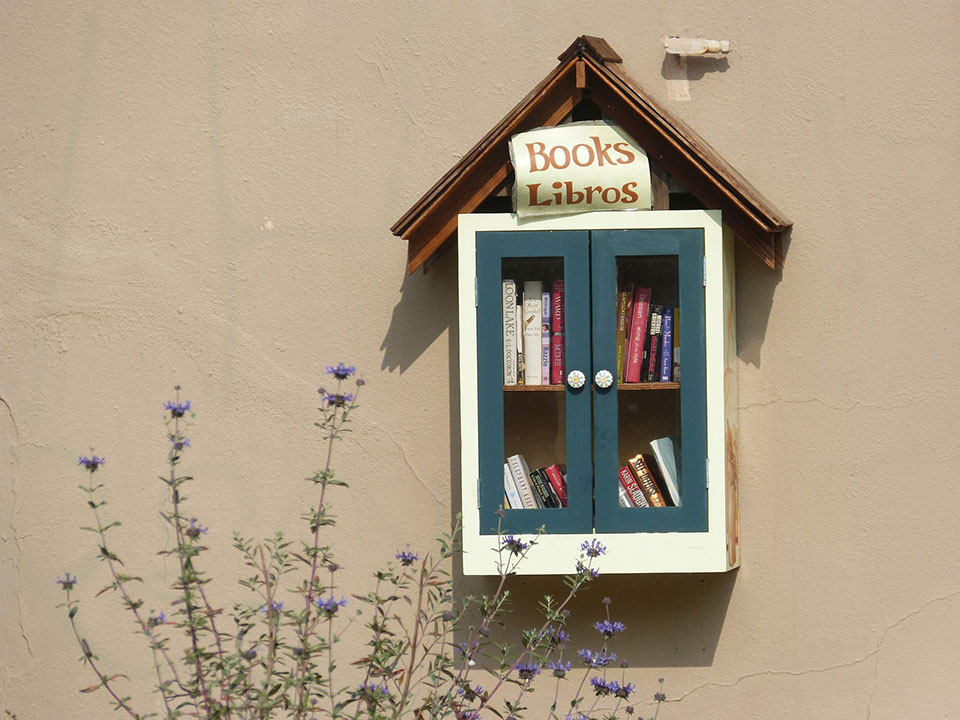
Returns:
(532,330)
(506,503)
(556,334)
(666,452)
(510,488)
(638,331)
(676,344)
(641,470)
(649,371)
(623,499)
(509,332)
(666,343)
(556,475)
(521,476)
(624,306)
(539,483)
(634,493)
(547,312)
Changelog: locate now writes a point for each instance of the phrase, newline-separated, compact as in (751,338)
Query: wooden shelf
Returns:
(622,386)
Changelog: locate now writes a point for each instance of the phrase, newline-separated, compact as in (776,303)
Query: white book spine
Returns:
(521,476)
(509,332)
(622,495)
(510,488)
(546,310)
(532,330)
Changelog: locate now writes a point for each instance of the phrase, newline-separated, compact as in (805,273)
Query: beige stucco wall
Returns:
(200,193)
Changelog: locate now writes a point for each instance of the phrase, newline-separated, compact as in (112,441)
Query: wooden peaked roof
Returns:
(590,68)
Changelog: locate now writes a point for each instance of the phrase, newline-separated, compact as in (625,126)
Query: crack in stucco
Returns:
(14,533)
(406,462)
(811,671)
(809,401)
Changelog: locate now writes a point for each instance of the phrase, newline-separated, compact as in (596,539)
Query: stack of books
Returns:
(533,352)
(648,344)
(652,479)
(524,489)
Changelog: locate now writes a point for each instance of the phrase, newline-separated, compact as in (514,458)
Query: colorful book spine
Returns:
(666,356)
(510,488)
(629,483)
(532,331)
(645,478)
(624,305)
(556,334)
(509,332)
(638,332)
(676,344)
(521,476)
(539,482)
(558,481)
(649,371)
(546,312)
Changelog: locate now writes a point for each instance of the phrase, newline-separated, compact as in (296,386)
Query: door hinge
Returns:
(704,270)
(706,474)
(478,493)
(476,292)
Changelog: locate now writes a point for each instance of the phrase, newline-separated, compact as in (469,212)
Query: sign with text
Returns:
(578,167)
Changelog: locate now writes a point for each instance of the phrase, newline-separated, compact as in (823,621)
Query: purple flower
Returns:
(609,629)
(93,463)
(250,654)
(195,529)
(623,691)
(179,443)
(373,691)
(528,670)
(468,693)
(556,636)
(599,686)
(659,697)
(596,659)
(331,605)
(275,606)
(177,409)
(593,548)
(560,669)
(68,582)
(406,557)
(158,619)
(513,544)
(337,399)
(341,371)
(588,571)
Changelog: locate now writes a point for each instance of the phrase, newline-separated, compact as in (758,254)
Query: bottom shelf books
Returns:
(652,479)
(544,487)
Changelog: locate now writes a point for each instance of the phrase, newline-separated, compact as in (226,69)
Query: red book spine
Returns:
(638,333)
(652,364)
(556,479)
(556,334)
(632,487)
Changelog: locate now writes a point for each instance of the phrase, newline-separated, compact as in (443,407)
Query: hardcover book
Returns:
(649,372)
(556,334)
(556,476)
(539,483)
(666,342)
(532,330)
(521,476)
(624,306)
(641,470)
(638,332)
(666,452)
(509,332)
(629,483)
(547,312)
(510,488)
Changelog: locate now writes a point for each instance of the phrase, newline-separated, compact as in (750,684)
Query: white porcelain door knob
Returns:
(576,379)
(603,379)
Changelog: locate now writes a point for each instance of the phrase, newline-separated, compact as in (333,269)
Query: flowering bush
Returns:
(275,656)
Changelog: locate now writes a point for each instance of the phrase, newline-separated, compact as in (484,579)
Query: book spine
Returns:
(638,331)
(676,344)
(546,312)
(521,476)
(510,488)
(555,476)
(629,483)
(666,357)
(557,333)
(536,482)
(532,330)
(622,328)
(623,499)
(650,371)
(509,332)
(646,481)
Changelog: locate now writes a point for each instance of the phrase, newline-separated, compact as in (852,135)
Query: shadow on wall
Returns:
(756,286)
(671,620)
